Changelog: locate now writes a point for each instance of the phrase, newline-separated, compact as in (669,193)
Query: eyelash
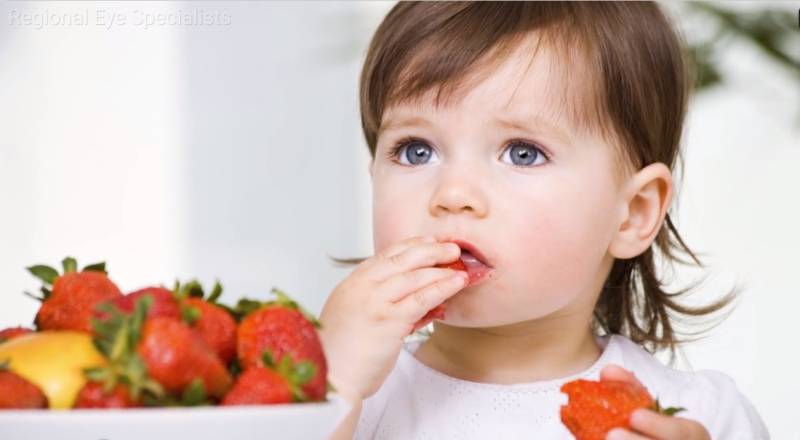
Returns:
(395,150)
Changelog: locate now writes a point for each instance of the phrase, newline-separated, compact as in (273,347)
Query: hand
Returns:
(649,424)
(368,315)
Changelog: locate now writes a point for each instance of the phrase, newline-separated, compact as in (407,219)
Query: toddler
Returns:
(535,143)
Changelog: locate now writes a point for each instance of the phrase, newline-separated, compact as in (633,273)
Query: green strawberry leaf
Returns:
(285,299)
(192,289)
(194,394)
(215,293)
(30,295)
(190,314)
(303,372)
(116,337)
(666,411)
(235,368)
(45,273)
(245,306)
(96,267)
(97,374)
(268,359)
(672,411)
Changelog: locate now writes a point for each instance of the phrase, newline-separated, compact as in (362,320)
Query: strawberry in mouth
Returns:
(471,261)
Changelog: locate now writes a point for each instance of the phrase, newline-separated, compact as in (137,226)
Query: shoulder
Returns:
(710,397)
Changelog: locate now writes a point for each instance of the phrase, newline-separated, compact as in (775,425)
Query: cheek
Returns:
(393,214)
(558,238)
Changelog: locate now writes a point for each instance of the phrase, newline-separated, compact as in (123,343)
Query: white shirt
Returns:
(418,402)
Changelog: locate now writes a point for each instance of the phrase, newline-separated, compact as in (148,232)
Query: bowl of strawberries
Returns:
(162,363)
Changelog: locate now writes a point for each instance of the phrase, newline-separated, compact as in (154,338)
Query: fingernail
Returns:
(615,434)
(460,277)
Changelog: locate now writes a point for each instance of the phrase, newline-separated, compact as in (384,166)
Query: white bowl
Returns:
(306,421)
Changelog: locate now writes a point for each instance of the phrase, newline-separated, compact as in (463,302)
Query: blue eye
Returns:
(523,154)
(414,151)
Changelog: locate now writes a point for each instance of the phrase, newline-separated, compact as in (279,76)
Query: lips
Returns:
(476,263)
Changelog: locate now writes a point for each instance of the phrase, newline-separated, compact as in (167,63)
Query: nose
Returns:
(458,192)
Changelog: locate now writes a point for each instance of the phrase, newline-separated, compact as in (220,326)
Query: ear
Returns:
(645,199)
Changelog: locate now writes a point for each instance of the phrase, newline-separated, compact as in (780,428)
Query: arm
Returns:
(347,428)
(368,314)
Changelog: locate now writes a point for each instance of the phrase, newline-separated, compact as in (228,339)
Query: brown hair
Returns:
(639,84)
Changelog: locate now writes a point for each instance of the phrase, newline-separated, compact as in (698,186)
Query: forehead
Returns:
(533,84)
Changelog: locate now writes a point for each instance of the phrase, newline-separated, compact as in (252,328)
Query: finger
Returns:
(665,427)
(624,434)
(403,284)
(417,304)
(395,249)
(615,372)
(414,257)
(405,244)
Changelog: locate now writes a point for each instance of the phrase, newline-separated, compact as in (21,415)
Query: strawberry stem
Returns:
(69,264)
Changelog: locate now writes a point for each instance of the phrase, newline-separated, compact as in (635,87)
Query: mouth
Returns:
(478,267)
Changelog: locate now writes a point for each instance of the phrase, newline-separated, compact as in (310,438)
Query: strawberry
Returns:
(164,302)
(13,332)
(596,407)
(214,322)
(271,383)
(116,335)
(283,328)
(438,312)
(18,393)
(161,357)
(69,301)
(175,355)
(215,326)
(94,395)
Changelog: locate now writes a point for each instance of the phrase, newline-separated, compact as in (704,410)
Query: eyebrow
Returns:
(535,124)
(530,123)
(400,122)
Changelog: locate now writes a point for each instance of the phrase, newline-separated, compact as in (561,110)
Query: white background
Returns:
(234,151)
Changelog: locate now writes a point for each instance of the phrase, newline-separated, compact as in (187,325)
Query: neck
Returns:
(523,352)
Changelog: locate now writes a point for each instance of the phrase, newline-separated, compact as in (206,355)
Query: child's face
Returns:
(544,218)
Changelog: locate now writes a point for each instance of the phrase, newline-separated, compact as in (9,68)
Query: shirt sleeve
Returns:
(726,413)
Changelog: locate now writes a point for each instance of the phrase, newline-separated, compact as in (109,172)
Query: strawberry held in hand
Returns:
(597,407)
(438,312)
(282,328)
(68,300)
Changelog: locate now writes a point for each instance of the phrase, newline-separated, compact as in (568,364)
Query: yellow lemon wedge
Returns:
(54,361)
